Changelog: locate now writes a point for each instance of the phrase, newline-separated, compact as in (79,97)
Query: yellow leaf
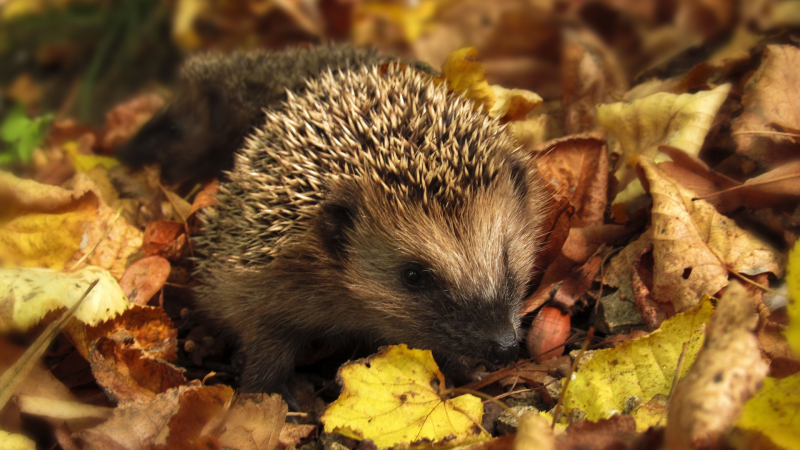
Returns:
(774,411)
(390,400)
(694,246)
(465,75)
(680,121)
(793,308)
(85,163)
(9,441)
(42,226)
(183,31)
(640,368)
(27,295)
(513,104)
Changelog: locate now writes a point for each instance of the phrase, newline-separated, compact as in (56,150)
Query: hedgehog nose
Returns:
(504,349)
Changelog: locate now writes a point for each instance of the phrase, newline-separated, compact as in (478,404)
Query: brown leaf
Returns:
(205,198)
(255,422)
(579,246)
(125,119)
(766,109)
(694,246)
(725,374)
(619,431)
(570,295)
(165,238)
(591,75)
(144,278)
(577,168)
(127,374)
(171,418)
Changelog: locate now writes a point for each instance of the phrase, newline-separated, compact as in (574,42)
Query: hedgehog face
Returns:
(450,278)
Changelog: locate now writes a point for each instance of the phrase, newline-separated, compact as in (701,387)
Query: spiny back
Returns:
(397,130)
(259,78)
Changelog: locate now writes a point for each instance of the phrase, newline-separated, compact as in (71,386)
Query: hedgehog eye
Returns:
(414,276)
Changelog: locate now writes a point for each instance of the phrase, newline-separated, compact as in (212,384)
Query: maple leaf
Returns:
(390,400)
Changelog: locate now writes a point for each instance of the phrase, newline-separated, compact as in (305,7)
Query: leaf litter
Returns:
(695,155)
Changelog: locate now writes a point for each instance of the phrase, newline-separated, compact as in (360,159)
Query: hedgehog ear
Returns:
(519,177)
(337,217)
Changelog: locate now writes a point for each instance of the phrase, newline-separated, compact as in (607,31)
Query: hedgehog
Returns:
(220,98)
(372,205)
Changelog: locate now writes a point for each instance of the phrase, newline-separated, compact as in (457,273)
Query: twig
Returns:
(741,186)
(678,369)
(557,408)
(758,285)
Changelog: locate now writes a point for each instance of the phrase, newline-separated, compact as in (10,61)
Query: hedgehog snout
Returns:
(503,348)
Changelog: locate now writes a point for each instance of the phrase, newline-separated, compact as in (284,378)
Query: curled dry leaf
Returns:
(577,168)
(725,374)
(766,109)
(127,374)
(464,74)
(549,330)
(165,238)
(694,246)
(534,432)
(173,419)
(680,121)
(144,278)
(393,398)
(29,294)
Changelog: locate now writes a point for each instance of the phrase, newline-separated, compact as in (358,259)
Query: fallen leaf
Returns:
(144,278)
(534,432)
(592,75)
(172,419)
(13,441)
(254,421)
(125,119)
(86,162)
(29,294)
(149,329)
(793,308)
(773,411)
(42,226)
(681,121)
(465,75)
(393,398)
(694,246)
(766,109)
(165,238)
(577,168)
(612,432)
(640,368)
(726,372)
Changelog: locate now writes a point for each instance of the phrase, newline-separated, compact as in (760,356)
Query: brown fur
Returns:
(343,189)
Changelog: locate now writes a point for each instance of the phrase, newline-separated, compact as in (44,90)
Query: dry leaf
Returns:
(125,119)
(577,168)
(174,419)
(254,422)
(694,246)
(144,278)
(681,121)
(727,371)
(766,109)
(165,238)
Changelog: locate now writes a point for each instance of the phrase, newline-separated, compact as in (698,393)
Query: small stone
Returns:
(507,424)
(617,314)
